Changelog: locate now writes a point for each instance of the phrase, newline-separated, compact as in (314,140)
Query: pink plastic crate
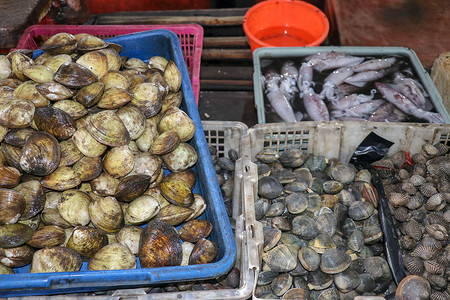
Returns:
(190,36)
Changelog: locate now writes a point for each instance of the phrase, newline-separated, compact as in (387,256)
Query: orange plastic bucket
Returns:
(285,23)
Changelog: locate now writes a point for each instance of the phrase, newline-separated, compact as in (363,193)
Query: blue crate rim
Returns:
(39,283)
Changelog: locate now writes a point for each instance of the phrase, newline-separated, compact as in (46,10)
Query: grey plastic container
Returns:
(262,56)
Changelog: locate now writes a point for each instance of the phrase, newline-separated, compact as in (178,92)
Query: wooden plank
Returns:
(226,72)
(226,54)
(228,106)
(145,19)
(223,12)
(225,42)
(226,85)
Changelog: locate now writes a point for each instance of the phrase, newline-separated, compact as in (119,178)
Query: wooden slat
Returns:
(224,54)
(224,42)
(202,20)
(227,72)
(222,12)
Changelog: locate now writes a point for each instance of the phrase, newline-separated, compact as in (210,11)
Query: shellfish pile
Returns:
(322,236)
(418,193)
(87,142)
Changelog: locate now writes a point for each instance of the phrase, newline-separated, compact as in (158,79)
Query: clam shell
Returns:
(334,261)
(107,128)
(129,236)
(309,258)
(305,227)
(113,58)
(88,42)
(12,205)
(69,153)
(360,210)
(5,67)
(134,121)
(131,187)
(73,75)
(414,265)
(86,240)
(157,62)
(55,259)
(18,137)
(63,178)
(114,256)
(55,121)
(345,174)
(172,100)
(195,230)
(34,197)
(181,158)
(198,207)
(347,280)
(141,210)
(17,113)
(114,97)
(398,199)
(38,73)
(177,192)
(118,161)
(176,119)
(159,246)
(136,64)
(433,267)
(204,251)
(48,236)
(147,164)
(14,235)
(40,154)
(150,132)
(17,256)
(173,214)
(87,144)
(106,214)
(296,203)
(267,156)
(165,143)
(74,109)
(73,207)
(281,284)
(187,176)
(9,177)
(269,187)
(94,61)
(116,79)
(147,98)
(172,76)
(60,43)
(20,61)
(280,259)
(89,95)
(88,168)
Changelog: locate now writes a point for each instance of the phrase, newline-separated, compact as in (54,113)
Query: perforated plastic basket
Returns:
(190,36)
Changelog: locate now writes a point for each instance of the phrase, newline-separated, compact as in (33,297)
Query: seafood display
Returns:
(94,146)
(337,86)
(417,188)
(322,236)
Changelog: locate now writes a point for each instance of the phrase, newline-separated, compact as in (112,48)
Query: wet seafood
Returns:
(327,232)
(82,159)
(343,82)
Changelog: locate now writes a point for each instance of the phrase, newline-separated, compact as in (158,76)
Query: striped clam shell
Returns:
(444,186)
(414,264)
(402,175)
(437,231)
(409,188)
(439,296)
(414,230)
(439,166)
(398,158)
(402,214)
(385,167)
(398,199)
(433,267)
(427,189)
(415,201)
(436,202)
(417,180)
(442,148)
(437,218)
(418,158)
(429,151)
(425,252)
(429,241)
(420,169)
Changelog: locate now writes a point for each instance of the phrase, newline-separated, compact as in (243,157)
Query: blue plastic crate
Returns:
(143,45)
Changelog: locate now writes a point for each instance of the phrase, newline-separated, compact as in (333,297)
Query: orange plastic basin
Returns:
(285,23)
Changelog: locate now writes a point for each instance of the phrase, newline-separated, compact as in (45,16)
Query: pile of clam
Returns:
(417,189)
(87,138)
(322,237)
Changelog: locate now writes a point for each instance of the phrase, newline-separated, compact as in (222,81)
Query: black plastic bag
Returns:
(371,149)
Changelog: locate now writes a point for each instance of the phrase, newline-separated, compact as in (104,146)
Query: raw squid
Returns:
(406,105)
(358,111)
(375,64)
(412,90)
(276,97)
(331,82)
(305,77)
(352,100)
(336,62)
(314,106)
(387,113)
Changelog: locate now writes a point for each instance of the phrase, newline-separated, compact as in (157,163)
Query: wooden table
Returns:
(16,16)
